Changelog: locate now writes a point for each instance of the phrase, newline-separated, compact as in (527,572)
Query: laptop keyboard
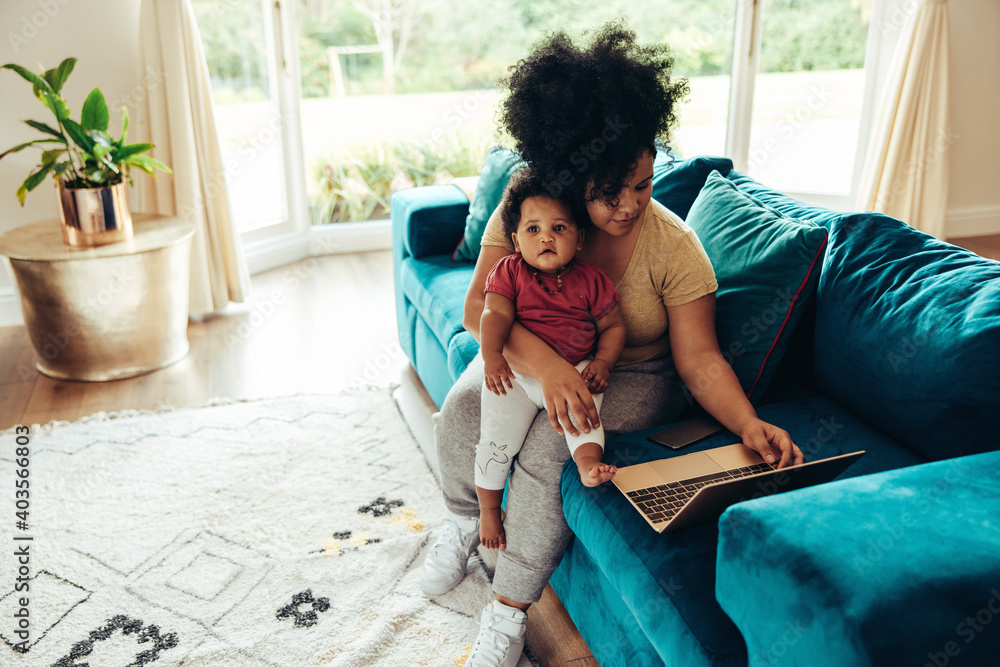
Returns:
(661,503)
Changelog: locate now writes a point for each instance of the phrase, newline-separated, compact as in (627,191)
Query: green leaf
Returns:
(94,115)
(21,147)
(147,164)
(52,155)
(101,151)
(32,181)
(110,166)
(101,138)
(61,168)
(42,127)
(96,175)
(56,105)
(50,76)
(121,142)
(37,82)
(78,135)
(62,73)
(131,149)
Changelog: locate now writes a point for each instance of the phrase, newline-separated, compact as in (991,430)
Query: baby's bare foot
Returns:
(491,534)
(597,473)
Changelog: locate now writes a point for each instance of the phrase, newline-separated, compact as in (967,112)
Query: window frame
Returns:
(295,238)
(747,41)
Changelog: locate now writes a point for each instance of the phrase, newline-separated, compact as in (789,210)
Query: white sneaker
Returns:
(501,637)
(444,566)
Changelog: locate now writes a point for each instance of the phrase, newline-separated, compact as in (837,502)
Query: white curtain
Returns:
(176,115)
(906,167)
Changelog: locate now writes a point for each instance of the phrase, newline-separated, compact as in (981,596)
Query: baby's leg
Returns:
(505,421)
(588,462)
(587,450)
(491,533)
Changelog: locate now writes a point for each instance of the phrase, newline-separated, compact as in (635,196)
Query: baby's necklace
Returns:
(559,276)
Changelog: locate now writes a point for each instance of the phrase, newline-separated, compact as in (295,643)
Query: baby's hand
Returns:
(497,372)
(596,376)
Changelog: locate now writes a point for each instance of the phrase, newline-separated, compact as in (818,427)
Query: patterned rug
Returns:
(285,532)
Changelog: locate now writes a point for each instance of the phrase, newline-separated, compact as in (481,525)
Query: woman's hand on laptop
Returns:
(773,444)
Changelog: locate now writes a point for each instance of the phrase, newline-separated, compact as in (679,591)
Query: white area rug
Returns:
(285,532)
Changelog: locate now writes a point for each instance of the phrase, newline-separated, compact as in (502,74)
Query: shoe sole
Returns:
(441,591)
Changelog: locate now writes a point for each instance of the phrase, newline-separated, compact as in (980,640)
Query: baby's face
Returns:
(546,236)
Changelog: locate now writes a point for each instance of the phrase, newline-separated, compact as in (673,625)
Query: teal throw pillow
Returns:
(767,265)
(501,163)
(677,182)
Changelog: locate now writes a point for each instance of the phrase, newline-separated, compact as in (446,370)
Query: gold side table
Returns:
(104,313)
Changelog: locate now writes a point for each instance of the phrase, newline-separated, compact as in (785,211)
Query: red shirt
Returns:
(567,321)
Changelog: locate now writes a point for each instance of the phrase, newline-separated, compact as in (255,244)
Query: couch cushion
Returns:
(609,628)
(886,569)
(767,265)
(427,220)
(668,581)
(500,164)
(793,208)
(908,335)
(431,362)
(461,349)
(436,287)
(677,182)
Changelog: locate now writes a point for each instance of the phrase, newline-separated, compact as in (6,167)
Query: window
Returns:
(257,119)
(394,93)
(808,94)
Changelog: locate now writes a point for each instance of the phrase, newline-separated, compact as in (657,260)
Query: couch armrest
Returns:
(428,220)
(900,567)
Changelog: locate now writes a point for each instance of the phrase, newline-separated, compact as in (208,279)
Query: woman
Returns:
(588,119)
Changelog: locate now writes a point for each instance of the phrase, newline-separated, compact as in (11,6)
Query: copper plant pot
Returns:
(94,216)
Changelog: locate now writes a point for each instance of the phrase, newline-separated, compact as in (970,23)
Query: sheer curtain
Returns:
(906,167)
(176,116)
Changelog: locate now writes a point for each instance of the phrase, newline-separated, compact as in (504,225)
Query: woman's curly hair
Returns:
(524,183)
(583,116)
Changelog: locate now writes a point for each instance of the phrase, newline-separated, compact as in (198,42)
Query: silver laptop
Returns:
(696,488)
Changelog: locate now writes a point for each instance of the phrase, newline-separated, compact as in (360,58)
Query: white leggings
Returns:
(505,423)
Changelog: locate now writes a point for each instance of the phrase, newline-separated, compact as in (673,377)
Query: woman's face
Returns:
(619,216)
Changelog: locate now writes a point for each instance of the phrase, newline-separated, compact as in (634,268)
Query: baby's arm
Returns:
(494,327)
(610,343)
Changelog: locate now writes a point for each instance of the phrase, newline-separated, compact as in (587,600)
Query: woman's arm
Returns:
(715,386)
(562,386)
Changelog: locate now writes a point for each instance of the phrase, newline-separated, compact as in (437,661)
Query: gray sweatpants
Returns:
(638,396)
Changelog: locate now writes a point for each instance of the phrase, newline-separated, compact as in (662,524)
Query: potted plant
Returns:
(91,169)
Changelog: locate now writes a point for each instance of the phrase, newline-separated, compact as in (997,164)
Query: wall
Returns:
(103,36)
(974,199)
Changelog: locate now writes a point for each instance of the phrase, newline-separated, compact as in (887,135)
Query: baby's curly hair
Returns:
(524,183)
(584,115)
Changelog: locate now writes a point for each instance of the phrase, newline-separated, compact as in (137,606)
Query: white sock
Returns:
(513,613)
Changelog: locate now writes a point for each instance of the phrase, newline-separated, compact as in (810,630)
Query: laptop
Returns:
(696,488)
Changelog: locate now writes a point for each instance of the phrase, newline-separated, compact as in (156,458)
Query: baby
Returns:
(568,303)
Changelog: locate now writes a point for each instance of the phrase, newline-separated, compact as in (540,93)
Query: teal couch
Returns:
(897,352)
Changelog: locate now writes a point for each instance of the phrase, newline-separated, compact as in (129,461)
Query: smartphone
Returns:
(687,432)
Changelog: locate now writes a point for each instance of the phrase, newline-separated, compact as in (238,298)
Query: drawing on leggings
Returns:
(496,455)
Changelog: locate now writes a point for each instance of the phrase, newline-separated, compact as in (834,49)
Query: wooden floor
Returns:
(317,326)
(987,246)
